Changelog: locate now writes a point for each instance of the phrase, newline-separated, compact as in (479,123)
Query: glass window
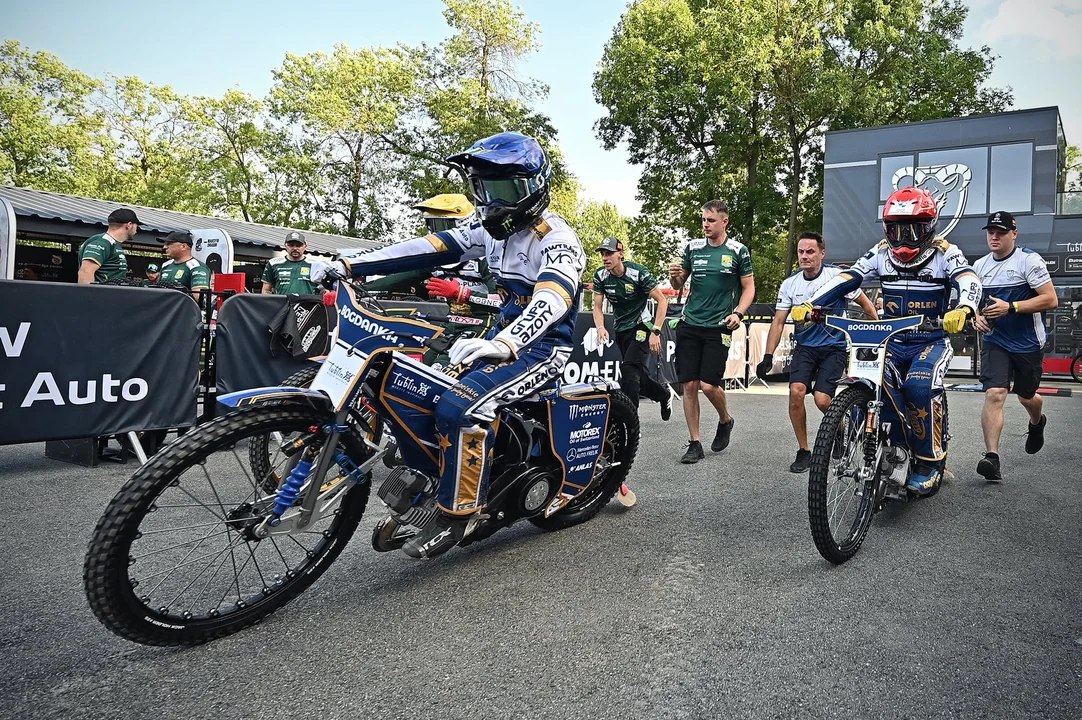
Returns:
(957,178)
(1012,178)
(887,167)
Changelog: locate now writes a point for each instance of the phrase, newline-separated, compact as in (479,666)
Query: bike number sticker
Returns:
(338,374)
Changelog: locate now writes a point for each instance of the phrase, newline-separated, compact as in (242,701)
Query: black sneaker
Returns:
(1035,437)
(437,537)
(989,467)
(802,462)
(694,453)
(721,438)
(666,405)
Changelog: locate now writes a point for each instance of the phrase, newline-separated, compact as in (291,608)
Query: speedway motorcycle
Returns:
(195,546)
(854,468)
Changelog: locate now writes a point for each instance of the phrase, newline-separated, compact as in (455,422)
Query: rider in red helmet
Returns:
(909,220)
(917,271)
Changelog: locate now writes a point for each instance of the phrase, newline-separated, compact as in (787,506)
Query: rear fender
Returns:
(258,396)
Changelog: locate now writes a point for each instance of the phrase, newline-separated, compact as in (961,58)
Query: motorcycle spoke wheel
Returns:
(174,559)
(840,505)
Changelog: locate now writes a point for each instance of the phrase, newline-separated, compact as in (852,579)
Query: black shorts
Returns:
(818,368)
(701,353)
(1001,369)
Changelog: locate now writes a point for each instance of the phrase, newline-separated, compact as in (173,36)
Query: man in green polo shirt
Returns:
(292,273)
(181,267)
(722,290)
(102,257)
(627,286)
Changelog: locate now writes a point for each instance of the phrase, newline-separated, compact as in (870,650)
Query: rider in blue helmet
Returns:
(537,260)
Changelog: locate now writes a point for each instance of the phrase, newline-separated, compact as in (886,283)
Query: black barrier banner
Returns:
(82,361)
(242,344)
(591,359)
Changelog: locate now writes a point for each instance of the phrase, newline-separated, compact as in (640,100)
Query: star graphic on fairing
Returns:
(472,461)
(472,444)
(922,413)
(445,442)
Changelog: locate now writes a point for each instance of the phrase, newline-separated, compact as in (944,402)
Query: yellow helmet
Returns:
(444,212)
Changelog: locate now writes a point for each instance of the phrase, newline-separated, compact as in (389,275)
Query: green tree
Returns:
(731,98)
(146,150)
(348,102)
(46,127)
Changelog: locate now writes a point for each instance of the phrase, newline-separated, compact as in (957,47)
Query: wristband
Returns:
(738,314)
(1012,309)
(655,330)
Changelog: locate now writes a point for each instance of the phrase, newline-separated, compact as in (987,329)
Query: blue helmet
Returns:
(509,177)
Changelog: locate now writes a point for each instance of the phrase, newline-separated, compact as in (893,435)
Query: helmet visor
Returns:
(509,191)
(439,224)
(910,234)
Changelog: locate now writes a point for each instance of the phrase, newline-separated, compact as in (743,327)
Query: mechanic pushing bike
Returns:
(538,261)
(917,271)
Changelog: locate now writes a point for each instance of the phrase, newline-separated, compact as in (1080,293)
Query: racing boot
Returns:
(438,536)
(925,478)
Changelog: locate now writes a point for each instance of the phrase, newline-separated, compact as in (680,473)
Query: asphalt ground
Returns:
(706,600)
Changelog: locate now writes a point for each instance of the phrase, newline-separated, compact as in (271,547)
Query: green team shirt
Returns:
(190,274)
(715,274)
(289,277)
(627,293)
(109,254)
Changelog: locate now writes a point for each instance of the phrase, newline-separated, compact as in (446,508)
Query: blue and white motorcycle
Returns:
(196,546)
(854,468)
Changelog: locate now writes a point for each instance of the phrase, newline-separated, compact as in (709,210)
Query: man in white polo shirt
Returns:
(1017,293)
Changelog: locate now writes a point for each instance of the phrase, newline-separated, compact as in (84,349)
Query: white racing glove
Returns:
(322,271)
(467,350)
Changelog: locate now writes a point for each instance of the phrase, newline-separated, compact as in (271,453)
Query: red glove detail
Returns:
(451,289)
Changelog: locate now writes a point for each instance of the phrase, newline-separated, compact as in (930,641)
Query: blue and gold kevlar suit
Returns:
(920,359)
(537,273)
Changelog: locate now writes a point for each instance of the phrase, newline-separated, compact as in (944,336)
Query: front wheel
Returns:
(617,454)
(175,559)
(840,488)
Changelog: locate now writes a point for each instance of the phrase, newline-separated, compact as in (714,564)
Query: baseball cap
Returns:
(295,237)
(123,215)
(180,236)
(1002,220)
(611,244)
(152,267)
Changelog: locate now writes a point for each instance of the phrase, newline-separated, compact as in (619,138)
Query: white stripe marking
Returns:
(857,163)
(1041,148)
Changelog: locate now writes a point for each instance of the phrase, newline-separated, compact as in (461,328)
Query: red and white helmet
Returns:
(909,220)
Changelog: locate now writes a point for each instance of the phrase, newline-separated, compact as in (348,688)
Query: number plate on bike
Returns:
(338,375)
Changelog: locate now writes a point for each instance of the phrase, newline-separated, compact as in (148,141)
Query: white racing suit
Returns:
(537,275)
(918,360)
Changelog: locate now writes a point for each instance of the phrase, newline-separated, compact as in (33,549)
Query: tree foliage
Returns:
(731,98)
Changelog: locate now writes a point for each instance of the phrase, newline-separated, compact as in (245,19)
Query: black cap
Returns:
(295,238)
(121,216)
(152,267)
(180,236)
(1002,220)
(611,244)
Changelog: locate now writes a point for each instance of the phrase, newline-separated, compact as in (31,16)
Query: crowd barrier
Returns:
(82,362)
(78,361)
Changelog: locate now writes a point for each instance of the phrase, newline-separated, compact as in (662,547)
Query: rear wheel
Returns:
(840,488)
(174,560)
(1076,367)
(617,454)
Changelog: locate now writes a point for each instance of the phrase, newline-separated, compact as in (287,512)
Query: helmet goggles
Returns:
(439,224)
(506,191)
